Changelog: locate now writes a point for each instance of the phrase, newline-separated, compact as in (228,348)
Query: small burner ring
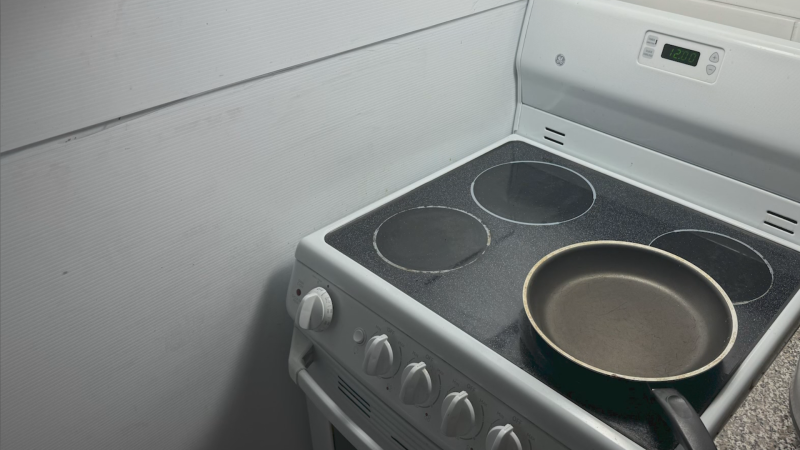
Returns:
(743,272)
(431,239)
(533,193)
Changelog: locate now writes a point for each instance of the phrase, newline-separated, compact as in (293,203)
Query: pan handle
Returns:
(686,424)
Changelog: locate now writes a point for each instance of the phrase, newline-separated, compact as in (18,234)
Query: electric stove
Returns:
(410,331)
(463,243)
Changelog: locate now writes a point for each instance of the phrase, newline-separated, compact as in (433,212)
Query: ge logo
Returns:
(560,60)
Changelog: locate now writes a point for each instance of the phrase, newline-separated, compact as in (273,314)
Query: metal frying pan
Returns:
(634,312)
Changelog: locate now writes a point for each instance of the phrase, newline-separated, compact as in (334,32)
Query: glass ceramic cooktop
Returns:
(463,243)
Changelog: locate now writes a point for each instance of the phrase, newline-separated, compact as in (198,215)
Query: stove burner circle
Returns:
(431,239)
(741,271)
(533,193)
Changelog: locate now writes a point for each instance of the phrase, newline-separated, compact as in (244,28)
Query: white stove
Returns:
(667,126)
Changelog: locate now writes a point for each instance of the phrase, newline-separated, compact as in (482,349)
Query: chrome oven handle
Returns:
(300,354)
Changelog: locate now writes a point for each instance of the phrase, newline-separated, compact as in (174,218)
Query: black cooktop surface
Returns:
(528,209)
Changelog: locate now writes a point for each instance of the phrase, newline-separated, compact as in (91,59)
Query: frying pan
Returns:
(637,313)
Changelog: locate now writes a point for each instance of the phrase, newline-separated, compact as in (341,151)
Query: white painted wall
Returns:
(144,267)
(73,64)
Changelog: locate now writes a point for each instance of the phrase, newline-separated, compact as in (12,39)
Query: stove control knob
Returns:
(458,415)
(502,438)
(415,384)
(315,311)
(378,356)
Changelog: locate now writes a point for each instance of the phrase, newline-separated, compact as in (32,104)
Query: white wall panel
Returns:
(73,64)
(144,267)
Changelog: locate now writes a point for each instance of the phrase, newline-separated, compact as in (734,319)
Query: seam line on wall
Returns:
(105,125)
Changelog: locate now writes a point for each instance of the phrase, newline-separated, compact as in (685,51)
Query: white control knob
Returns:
(458,415)
(378,356)
(415,384)
(315,311)
(502,438)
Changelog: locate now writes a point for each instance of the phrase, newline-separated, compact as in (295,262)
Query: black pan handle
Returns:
(686,424)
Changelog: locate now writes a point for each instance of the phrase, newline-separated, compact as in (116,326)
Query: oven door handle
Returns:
(300,355)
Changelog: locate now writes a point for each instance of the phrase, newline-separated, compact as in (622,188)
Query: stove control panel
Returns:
(681,57)
(434,398)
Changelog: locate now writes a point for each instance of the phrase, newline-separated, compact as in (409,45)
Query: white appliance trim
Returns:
(518,65)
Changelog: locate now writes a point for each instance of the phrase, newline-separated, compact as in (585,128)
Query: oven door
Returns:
(324,435)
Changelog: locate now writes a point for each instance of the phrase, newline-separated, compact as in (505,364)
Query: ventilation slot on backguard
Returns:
(559,142)
(779,227)
(780,222)
(781,216)
(399,443)
(353,396)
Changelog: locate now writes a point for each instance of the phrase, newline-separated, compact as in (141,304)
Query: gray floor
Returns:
(763,421)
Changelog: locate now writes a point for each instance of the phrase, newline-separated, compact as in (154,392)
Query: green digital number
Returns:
(680,55)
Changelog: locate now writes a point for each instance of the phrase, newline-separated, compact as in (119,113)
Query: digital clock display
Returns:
(680,55)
